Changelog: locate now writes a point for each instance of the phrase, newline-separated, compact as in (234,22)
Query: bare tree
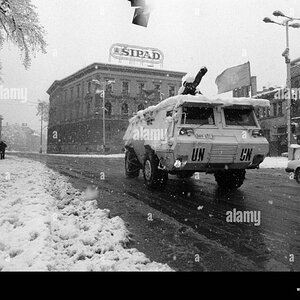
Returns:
(19,24)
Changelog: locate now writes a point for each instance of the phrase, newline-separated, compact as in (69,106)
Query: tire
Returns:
(185,174)
(153,177)
(297,175)
(231,179)
(132,164)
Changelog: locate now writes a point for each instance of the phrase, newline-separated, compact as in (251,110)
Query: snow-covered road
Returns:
(47,225)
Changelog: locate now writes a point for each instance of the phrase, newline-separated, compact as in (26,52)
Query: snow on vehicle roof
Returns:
(177,101)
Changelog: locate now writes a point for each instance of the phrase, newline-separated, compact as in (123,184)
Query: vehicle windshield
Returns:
(196,115)
(239,117)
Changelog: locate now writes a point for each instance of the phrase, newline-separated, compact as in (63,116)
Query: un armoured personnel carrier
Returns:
(187,133)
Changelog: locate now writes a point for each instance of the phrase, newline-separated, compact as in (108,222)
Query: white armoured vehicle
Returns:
(187,134)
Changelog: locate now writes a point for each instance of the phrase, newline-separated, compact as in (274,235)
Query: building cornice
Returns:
(114,68)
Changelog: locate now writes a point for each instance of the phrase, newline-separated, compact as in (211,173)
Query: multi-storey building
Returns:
(76,105)
(274,120)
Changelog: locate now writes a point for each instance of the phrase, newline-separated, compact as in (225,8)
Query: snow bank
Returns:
(121,155)
(274,163)
(47,225)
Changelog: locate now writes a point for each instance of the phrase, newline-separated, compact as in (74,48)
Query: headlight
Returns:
(257,133)
(177,164)
(186,131)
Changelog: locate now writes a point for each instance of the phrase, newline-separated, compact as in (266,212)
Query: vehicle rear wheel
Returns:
(230,179)
(132,164)
(153,176)
(185,174)
(297,175)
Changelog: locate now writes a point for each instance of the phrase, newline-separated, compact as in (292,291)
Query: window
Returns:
(280,108)
(77,111)
(169,113)
(125,87)
(268,112)
(108,107)
(89,88)
(141,87)
(124,109)
(157,86)
(282,130)
(141,107)
(239,117)
(78,90)
(275,109)
(198,116)
(171,91)
(109,85)
(97,100)
(72,92)
(109,88)
(88,109)
(66,94)
(264,112)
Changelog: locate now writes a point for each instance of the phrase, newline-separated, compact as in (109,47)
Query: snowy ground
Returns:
(47,225)
(274,163)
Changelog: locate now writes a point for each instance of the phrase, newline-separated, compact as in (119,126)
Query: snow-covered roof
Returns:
(179,100)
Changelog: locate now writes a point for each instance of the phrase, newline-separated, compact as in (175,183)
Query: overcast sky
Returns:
(191,33)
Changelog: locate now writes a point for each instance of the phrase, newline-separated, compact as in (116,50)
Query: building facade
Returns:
(76,105)
(273,120)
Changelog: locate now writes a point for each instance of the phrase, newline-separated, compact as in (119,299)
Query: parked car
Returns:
(294,162)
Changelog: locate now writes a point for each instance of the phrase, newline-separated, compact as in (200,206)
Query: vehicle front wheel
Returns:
(153,176)
(297,175)
(132,164)
(230,179)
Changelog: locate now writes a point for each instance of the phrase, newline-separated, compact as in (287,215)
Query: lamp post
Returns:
(286,54)
(98,84)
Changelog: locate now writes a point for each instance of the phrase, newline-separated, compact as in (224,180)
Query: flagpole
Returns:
(251,91)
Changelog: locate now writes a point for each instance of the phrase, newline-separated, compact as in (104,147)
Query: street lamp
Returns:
(286,55)
(98,84)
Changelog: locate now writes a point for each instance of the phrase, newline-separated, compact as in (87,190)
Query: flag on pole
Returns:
(234,78)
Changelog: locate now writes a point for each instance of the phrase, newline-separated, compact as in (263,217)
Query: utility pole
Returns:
(98,84)
(103,120)
(41,138)
(286,54)
(288,82)
(41,141)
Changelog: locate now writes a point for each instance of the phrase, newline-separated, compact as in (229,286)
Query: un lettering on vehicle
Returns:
(246,154)
(198,154)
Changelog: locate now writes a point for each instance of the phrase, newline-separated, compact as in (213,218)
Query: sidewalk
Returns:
(47,225)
